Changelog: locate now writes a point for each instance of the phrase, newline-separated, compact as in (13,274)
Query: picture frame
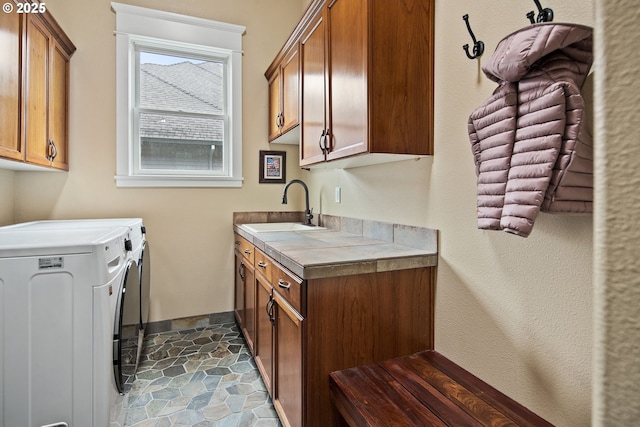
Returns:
(273,167)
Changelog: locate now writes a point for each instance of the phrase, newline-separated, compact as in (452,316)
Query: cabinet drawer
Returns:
(288,286)
(245,248)
(263,264)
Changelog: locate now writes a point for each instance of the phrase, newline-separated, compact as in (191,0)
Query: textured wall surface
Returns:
(617,237)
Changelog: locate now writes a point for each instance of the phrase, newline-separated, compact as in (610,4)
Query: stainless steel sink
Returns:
(279,226)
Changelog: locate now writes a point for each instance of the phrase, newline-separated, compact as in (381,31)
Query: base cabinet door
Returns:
(288,389)
(250,307)
(264,324)
(238,299)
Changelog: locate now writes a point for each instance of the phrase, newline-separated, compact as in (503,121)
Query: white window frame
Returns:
(142,27)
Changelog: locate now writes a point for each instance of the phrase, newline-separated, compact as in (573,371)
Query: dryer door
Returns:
(127,335)
(144,265)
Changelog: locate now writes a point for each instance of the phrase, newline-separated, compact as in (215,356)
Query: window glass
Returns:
(181,113)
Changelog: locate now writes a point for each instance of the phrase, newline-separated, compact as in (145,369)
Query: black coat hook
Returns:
(478,46)
(544,15)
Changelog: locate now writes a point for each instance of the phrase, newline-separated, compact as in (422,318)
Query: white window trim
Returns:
(136,23)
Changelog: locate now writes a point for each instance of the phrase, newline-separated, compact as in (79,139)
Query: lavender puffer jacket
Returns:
(530,144)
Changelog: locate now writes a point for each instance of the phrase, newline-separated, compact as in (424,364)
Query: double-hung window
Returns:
(179,111)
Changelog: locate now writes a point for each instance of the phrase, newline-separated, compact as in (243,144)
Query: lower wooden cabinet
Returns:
(306,329)
(288,360)
(238,294)
(264,325)
(245,290)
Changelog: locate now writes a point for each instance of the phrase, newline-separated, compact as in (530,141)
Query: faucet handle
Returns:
(308,215)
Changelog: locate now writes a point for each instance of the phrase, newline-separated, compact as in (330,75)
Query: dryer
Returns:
(61,292)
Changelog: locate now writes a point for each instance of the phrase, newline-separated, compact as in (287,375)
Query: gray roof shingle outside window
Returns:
(187,87)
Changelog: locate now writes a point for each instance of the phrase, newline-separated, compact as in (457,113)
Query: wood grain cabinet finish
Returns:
(10,86)
(264,318)
(288,363)
(306,329)
(239,292)
(366,79)
(245,290)
(284,82)
(36,68)
(265,333)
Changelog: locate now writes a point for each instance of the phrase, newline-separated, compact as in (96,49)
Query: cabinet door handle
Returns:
(52,151)
(327,134)
(269,308)
(281,120)
(241,270)
(247,251)
(283,284)
(321,142)
(262,264)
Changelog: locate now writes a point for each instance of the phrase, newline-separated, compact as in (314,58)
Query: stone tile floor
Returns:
(202,377)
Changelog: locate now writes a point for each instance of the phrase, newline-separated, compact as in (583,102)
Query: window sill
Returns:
(177,181)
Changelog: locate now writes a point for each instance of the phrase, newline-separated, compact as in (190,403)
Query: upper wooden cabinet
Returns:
(38,73)
(366,71)
(284,83)
(10,67)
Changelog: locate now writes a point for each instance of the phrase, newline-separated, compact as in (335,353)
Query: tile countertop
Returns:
(347,245)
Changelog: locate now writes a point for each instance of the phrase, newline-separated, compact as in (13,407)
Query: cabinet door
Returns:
(290,89)
(347,25)
(312,57)
(264,339)
(250,306)
(58,106)
(275,112)
(10,138)
(36,105)
(238,301)
(288,396)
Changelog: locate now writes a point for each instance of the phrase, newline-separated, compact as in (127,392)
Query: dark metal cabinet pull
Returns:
(321,142)
(269,308)
(241,270)
(52,150)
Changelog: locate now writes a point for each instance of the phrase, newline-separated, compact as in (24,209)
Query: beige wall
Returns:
(514,311)
(189,230)
(6,197)
(616,391)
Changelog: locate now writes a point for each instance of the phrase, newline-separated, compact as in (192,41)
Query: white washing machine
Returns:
(140,250)
(62,292)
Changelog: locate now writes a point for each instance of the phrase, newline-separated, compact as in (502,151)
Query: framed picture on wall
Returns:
(273,165)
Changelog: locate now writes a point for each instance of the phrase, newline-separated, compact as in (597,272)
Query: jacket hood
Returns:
(522,52)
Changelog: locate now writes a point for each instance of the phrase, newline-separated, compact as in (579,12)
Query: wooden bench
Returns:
(424,389)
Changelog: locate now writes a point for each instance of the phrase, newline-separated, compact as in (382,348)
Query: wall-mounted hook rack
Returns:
(544,15)
(478,46)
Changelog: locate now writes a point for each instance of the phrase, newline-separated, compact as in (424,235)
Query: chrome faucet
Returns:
(307,213)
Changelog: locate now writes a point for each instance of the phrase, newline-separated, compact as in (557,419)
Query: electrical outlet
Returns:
(338,195)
